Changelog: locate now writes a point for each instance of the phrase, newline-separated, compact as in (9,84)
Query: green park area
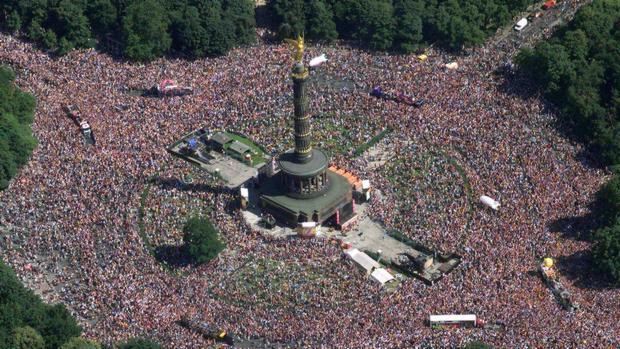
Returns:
(258,154)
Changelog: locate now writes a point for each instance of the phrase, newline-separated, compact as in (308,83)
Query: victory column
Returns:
(305,190)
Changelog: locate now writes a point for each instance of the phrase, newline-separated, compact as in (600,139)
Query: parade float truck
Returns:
(168,88)
(398,97)
(549,275)
(206,330)
(446,322)
(455,321)
(74,114)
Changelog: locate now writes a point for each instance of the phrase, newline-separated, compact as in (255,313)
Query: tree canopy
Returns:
(202,241)
(27,322)
(16,115)
(402,25)
(27,338)
(606,250)
(80,343)
(146,29)
(578,69)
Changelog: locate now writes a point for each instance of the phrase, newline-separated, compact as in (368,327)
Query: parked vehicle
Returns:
(521,24)
(74,114)
(399,97)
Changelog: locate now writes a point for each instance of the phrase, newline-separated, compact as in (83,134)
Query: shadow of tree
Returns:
(515,84)
(170,183)
(580,228)
(171,255)
(575,228)
(581,270)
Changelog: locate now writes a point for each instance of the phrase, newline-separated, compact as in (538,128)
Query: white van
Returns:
(521,24)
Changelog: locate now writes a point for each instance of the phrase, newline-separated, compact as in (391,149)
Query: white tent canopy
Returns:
(382,276)
(362,259)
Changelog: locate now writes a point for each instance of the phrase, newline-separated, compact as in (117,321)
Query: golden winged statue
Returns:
(298,45)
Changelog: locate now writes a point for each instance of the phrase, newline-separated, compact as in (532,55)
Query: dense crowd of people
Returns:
(75,214)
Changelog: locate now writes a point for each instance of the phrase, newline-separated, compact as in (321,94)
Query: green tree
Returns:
(579,70)
(49,41)
(240,13)
(188,34)
(27,338)
(290,15)
(320,23)
(140,343)
(608,202)
(16,144)
(6,77)
(606,251)
(58,326)
(20,307)
(145,30)
(31,12)
(80,343)
(16,114)
(346,16)
(202,242)
(102,16)
(456,24)
(369,22)
(13,22)
(576,41)
(409,35)
(64,46)
(378,24)
(68,21)
(550,64)
(220,30)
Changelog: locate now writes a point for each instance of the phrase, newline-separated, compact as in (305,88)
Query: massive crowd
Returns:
(74,219)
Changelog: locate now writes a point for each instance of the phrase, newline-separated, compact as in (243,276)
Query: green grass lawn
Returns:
(258,155)
(374,140)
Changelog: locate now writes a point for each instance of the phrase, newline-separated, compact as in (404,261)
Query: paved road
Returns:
(508,41)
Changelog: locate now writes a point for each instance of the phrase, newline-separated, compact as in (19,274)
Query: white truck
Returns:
(521,24)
